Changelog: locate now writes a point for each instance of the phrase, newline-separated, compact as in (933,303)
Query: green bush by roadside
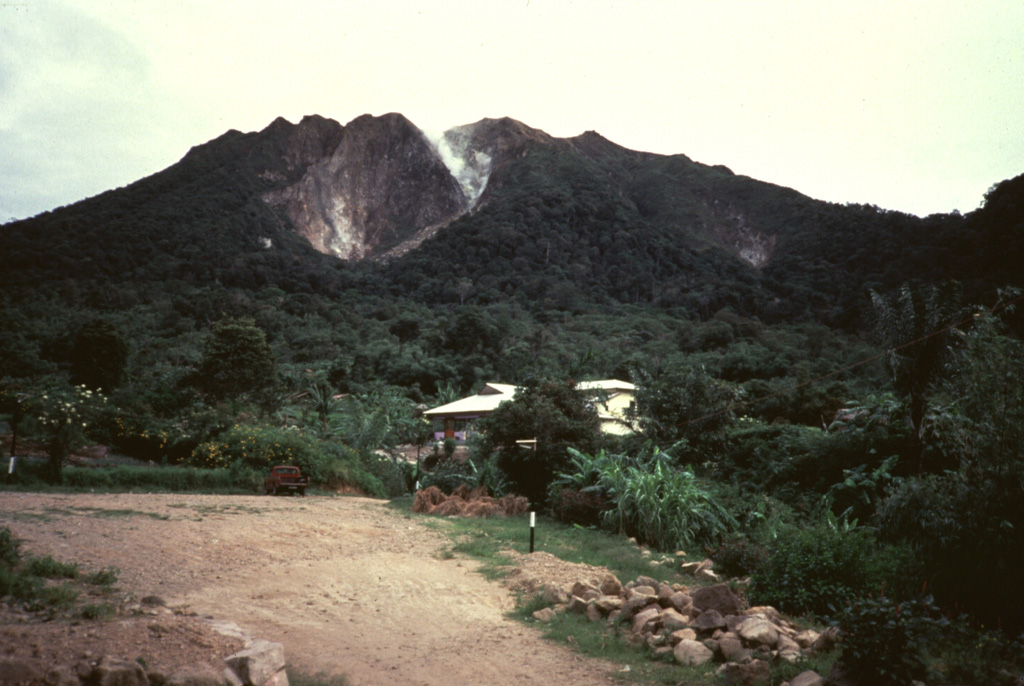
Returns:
(818,569)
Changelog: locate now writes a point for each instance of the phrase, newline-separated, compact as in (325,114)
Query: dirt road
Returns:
(348,585)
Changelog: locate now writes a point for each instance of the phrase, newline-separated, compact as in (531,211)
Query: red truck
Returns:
(285,479)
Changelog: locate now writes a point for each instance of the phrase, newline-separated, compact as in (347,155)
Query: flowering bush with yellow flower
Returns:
(260,447)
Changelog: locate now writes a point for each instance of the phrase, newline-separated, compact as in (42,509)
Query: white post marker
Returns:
(533,522)
(10,466)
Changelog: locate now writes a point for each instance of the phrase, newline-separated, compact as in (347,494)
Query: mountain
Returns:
(497,211)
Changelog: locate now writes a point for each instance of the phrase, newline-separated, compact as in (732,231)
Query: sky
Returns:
(911,106)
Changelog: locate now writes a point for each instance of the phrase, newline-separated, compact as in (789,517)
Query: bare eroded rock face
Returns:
(379,186)
(381,183)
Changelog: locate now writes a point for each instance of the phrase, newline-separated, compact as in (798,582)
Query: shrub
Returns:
(818,569)
(447,475)
(887,642)
(969,535)
(578,506)
(151,478)
(105,577)
(49,568)
(664,507)
(9,546)
(260,448)
(737,557)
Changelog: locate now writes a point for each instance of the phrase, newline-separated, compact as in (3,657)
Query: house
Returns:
(611,399)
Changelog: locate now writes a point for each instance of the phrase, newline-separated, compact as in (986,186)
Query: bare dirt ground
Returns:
(349,586)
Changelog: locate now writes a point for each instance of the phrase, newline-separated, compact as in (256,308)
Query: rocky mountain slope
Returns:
(497,210)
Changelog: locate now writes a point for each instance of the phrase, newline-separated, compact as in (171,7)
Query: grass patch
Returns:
(636,664)
(48,568)
(128,478)
(97,611)
(485,539)
(105,578)
(116,513)
(47,586)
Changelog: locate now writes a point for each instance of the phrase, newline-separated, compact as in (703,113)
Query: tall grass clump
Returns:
(662,505)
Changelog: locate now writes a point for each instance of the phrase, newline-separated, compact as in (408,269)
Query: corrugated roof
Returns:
(487,400)
(606,385)
(493,394)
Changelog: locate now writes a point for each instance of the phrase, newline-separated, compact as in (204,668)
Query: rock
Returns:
(691,653)
(681,601)
(672,620)
(717,597)
(706,574)
(656,640)
(805,639)
(682,635)
(112,672)
(594,613)
(665,592)
(785,644)
(732,650)
(645,619)
(647,581)
(689,567)
(15,671)
(196,675)
(643,590)
(553,595)
(709,621)
(610,585)
(808,678)
(767,611)
(826,641)
(577,605)
(754,672)
(759,631)
(580,588)
(608,603)
(256,665)
(545,614)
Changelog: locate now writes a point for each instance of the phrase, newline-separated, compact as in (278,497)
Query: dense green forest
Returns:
(845,414)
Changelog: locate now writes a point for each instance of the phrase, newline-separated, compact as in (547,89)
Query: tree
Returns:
(63,413)
(237,361)
(915,329)
(557,417)
(681,404)
(99,356)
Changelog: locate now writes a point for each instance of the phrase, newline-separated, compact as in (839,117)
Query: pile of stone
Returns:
(260,664)
(467,502)
(695,627)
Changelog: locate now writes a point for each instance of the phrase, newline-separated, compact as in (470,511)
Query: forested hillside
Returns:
(814,362)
